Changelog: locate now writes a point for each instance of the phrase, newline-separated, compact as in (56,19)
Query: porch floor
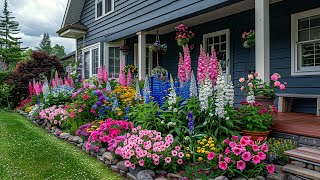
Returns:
(298,124)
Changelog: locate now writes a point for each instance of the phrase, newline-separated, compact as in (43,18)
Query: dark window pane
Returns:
(223,46)
(314,33)
(223,38)
(99,8)
(108,5)
(307,55)
(216,47)
(315,21)
(86,60)
(303,35)
(303,23)
(216,39)
(210,41)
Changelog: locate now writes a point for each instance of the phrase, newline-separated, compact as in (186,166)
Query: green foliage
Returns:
(5,92)
(200,170)
(3,76)
(59,100)
(45,46)
(277,147)
(58,50)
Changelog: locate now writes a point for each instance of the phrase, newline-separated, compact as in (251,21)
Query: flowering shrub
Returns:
(255,118)
(25,103)
(248,39)
(183,35)
(257,87)
(244,158)
(54,114)
(109,134)
(148,149)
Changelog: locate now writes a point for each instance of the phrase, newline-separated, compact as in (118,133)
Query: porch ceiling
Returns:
(210,16)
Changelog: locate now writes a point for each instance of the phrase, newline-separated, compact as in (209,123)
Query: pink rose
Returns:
(277,83)
(256,74)
(241,80)
(274,77)
(250,84)
(282,87)
(250,76)
(242,88)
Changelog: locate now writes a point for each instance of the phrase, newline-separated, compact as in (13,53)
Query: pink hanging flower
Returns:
(181,69)
(187,61)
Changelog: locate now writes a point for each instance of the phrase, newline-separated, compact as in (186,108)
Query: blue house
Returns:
(287,38)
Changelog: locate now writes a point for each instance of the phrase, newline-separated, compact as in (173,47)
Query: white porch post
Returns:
(262,43)
(141,55)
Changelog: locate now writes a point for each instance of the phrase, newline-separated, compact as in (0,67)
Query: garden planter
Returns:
(249,43)
(255,135)
(266,102)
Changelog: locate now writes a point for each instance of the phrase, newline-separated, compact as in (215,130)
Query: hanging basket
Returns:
(249,43)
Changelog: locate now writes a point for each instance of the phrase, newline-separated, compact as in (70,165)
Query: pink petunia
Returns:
(241,165)
(167,160)
(180,154)
(210,155)
(174,153)
(141,162)
(246,156)
(262,155)
(270,168)
(180,161)
(227,151)
(256,159)
(223,165)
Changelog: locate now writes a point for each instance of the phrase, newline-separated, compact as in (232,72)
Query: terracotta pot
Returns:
(266,102)
(255,135)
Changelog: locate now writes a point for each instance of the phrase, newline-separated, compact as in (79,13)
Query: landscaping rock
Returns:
(161,172)
(131,176)
(277,168)
(101,151)
(260,178)
(161,178)
(151,172)
(239,179)
(310,166)
(70,139)
(64,135)
(317,168)
(276,176)
(77,139)
(100,158)
(144,175)
(114,168)
(293,177)
(79,146)
(53,129)
(172,175)
(122,173)
(120,165)
(299,164)
(108,157)
(135,171)
(221,178)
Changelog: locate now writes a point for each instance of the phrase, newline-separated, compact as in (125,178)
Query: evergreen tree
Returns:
(58,51)
(45,44)
(10,50)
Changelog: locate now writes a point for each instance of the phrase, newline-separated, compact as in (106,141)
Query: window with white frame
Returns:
(91,60)
(104,7)
(114,62)
(305,39)
(220,41)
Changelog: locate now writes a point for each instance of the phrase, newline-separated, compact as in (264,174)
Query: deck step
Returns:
(306,154)
(306,173)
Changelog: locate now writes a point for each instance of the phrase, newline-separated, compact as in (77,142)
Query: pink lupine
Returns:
(187,61)
(82,80)
(100,73)
(129,76)
(105,74)
(202,66)
(181,69)
(213,69)
(122,77)
(30,89)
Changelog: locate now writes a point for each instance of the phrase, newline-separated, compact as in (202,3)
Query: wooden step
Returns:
(305,153)
(307,173)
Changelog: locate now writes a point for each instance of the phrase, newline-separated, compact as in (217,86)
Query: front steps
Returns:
(304,163)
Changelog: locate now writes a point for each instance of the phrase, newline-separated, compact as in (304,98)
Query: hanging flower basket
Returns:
(183,35)
(248,39)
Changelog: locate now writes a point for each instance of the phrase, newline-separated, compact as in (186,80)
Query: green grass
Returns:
(29,152)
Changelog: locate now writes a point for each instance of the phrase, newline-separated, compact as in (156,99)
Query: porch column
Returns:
(262,36)
(141,55)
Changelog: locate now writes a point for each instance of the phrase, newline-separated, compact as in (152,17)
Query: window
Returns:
(149,58)
(104,7)
(305,43)
(220,41)
(114,60)
(91,60)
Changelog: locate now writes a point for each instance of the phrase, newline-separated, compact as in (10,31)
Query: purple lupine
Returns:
(191,123)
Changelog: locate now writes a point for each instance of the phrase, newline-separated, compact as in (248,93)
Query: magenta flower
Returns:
(180,161)
(181,69)
(256,159)
(270,168)
(210,156)
(262,155)
(202,66)
(187,61)
(246,156)
(213,69)
(223,165)
(241,165)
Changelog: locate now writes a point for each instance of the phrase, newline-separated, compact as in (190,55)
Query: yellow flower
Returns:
(202,143)
(187,148)
(187,155)
(200,158)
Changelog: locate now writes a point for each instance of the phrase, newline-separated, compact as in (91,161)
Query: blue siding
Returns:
(131,16)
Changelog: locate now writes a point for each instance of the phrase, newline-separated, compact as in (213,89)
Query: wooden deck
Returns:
(298,124)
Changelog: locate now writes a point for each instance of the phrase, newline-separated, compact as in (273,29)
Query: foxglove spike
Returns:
(193,86)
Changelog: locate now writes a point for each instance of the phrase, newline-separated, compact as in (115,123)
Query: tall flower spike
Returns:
(30,89)
(220,96)
(108,87)
(193,86)
(202,66)
(122,77)
(213,68)
(83,80)
(187,61)
(129,76)
(100,73)
(105,74)
(146,90)
(181,69)
(138,94)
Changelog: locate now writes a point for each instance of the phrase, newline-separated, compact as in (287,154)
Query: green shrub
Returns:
(277,147)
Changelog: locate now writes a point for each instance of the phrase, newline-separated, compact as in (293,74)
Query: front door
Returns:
(220,41)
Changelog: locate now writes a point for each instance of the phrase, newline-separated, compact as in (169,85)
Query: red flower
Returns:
(85,97)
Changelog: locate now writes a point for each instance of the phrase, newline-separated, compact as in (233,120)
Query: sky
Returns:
(37,17)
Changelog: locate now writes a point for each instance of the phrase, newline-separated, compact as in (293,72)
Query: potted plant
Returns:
(248,39)
(132,68)
(261,92)
(183,35)
(256,120)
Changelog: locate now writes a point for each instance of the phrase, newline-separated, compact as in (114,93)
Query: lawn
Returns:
(29,152)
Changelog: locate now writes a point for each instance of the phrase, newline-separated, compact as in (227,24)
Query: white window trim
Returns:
(106,53)
(136,57)
(217,33)
(89,49)
(294,40)
(103,9)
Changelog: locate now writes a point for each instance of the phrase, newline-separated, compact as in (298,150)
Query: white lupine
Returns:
(229,92)
(205,91)
(193,86)
(220,100)
(172,99)
(138,94)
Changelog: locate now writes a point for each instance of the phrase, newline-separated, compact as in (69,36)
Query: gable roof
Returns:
(73,12)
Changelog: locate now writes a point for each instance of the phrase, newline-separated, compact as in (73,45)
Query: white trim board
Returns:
(135,60)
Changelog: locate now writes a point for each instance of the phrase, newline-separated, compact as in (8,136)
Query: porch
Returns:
(300,127)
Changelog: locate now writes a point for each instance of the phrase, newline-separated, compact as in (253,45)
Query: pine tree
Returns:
(10,50)
(58,51)
(45,44)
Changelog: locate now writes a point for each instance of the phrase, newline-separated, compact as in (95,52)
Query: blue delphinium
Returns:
(190,123)
(146,91)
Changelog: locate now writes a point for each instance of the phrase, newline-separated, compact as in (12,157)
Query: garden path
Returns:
(29,152)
